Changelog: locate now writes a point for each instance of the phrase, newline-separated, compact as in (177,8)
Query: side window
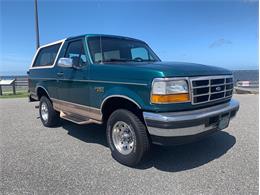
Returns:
(139,52)
(47,55)
(75,51)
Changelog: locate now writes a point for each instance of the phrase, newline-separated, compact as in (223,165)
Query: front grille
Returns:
(212,88)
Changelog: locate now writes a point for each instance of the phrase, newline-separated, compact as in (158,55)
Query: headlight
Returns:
(169,91)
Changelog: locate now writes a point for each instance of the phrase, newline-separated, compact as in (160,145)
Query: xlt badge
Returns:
(99,89)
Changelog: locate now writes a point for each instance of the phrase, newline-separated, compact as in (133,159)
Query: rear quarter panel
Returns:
(45,78)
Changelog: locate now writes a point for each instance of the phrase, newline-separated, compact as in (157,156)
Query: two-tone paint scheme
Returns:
(87,90)
(132,81)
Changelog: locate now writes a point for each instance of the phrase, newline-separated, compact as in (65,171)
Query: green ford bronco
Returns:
(121,83)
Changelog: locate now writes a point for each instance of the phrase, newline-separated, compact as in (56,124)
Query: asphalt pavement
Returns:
(74,159)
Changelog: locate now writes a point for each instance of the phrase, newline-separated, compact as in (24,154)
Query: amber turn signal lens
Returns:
(173,98)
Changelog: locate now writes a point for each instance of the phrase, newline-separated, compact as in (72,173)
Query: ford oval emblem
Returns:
(218,88)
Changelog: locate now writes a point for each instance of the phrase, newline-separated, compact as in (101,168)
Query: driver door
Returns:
(73,87)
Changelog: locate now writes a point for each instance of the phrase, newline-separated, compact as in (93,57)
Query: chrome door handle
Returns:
(60,74)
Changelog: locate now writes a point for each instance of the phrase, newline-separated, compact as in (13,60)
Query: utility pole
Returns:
(36,24)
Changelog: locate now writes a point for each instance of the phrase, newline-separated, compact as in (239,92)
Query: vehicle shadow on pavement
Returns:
(189,156)
(90,133)
(164,158)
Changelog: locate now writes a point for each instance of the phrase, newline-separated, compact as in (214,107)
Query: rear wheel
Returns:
(127,137)
(48,115)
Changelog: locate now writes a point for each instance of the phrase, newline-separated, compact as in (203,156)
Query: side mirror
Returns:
(65,62)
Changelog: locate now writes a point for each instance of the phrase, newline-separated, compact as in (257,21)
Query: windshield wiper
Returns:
(113,60)
(150,60)
(126,60)
(142,60)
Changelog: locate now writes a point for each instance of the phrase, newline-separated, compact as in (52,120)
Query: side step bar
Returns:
(78,119)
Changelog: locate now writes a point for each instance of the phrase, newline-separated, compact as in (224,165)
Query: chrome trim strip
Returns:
(171,79)
(121,96)
(192,114)
(186,131)
(73,108)
(91,81)
(117,82)
(184,116)
(211,77)
(110,82)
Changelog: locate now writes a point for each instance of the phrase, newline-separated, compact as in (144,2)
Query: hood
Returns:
(146,72)
(183,69)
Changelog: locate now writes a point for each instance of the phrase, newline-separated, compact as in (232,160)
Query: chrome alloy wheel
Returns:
(123,137)
(44,111)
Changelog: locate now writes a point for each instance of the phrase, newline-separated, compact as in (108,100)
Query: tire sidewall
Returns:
(47,102)
(136,153)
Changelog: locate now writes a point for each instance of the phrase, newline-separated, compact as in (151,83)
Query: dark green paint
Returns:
(132,80)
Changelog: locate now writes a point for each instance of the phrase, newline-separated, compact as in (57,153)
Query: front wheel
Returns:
(127,137)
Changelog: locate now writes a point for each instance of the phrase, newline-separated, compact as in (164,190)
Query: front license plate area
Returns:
(224,121)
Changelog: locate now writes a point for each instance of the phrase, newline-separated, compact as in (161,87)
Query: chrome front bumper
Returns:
(188,123)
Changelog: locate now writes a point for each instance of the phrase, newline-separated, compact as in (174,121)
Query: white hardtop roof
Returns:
(53,43)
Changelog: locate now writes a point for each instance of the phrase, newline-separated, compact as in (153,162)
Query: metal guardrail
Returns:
(247,87)
(248,84)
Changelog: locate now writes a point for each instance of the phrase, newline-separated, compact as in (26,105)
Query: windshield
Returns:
(109,49)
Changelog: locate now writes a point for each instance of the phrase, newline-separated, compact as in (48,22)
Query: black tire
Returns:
(53,116)
(141,145)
